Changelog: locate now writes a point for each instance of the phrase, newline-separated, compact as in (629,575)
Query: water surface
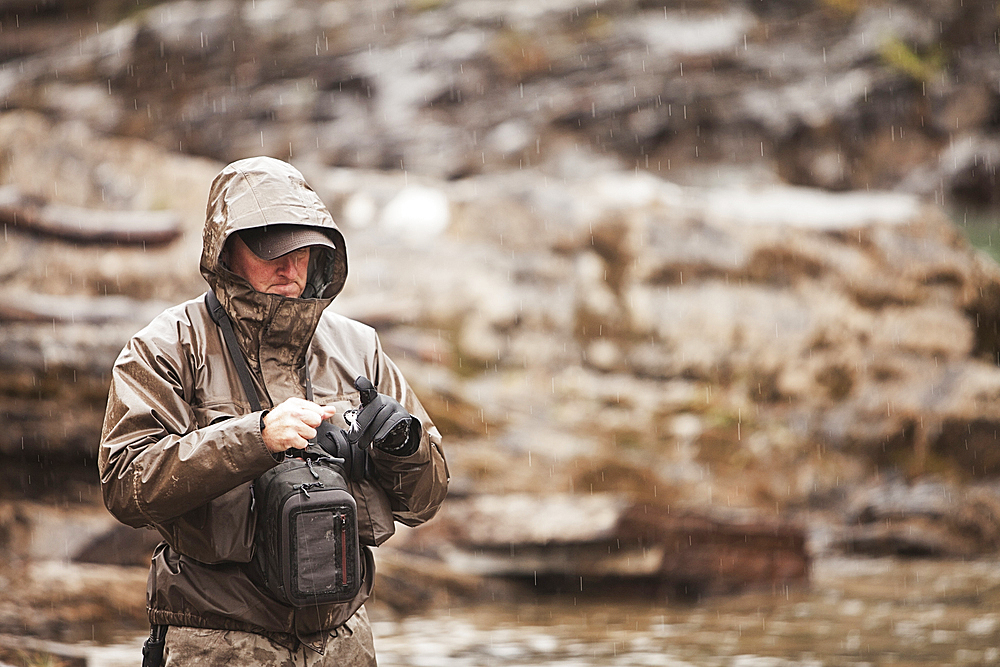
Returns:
(855,612)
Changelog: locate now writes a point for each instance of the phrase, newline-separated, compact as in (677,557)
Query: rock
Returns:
(28,307)
(120,545)
(806,208)
(47,592)
(40,649)
(836,317)
(966,164)
(409,583)
(846,98)
(60,600)
(924,518)
(36,531)
(84,225)
(607,539)
(71,302)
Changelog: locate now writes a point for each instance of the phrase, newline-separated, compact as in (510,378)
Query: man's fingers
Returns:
(293,423)
(309,417)
(322,412)
(307,411)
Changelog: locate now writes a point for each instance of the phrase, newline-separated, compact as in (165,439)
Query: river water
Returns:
(854,612)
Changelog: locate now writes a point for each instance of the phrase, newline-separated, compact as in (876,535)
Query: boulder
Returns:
(924,518)
(602,543)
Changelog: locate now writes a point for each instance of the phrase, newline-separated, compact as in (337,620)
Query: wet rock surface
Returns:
(829,94)
(605,545)
(694,352)
(581,233)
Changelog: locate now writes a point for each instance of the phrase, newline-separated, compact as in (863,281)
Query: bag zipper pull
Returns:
(304,488)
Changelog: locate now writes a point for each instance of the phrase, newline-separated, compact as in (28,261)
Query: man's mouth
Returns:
(285,289)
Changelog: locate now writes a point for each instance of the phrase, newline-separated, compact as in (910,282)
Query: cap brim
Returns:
(271,242)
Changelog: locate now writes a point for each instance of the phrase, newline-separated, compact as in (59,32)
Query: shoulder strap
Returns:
(219,316)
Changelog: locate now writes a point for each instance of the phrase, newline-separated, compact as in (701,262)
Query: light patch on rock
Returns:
(686,427)
(686,34)
(562,518)
(519,13)
(604,355)
(982,626)
(932,330)
(808,208)
(479,342)
(621,190)
(334,14)
(511,136)
(192,26)
(89,101)
(812,101)
(418,214)
(359,210)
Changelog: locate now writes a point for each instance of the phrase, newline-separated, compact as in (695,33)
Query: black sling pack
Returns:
(306,549)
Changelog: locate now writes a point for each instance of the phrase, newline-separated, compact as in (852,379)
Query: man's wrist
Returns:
(277,456)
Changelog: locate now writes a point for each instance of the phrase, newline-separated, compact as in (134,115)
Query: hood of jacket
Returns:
(273,331)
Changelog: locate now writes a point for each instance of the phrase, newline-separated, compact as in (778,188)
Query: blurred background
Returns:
(702,295)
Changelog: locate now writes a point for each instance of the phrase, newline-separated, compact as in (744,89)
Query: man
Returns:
(181,444)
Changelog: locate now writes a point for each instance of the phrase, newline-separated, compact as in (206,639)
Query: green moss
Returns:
(847,8)
(426,5)
(629,439)
(981,228)
(918,66)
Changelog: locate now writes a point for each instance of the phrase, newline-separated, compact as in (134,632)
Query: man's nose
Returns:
(288,266)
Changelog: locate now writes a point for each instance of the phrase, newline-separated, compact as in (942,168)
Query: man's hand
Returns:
(291,424)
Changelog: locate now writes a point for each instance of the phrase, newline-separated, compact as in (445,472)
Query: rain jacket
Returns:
(180,446)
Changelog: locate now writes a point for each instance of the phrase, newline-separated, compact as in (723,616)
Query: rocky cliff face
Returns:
(828,93)
(581,231)
(613,332)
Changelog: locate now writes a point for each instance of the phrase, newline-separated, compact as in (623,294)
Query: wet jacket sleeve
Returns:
(155,462)
(416,484)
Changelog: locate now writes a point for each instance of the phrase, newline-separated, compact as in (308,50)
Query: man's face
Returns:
(285,275)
